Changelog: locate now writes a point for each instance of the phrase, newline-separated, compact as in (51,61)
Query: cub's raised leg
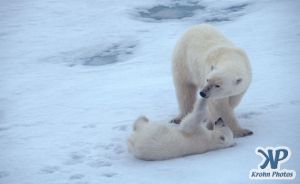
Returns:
(186,97)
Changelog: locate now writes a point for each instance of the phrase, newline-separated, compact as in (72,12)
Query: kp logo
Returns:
(269,168)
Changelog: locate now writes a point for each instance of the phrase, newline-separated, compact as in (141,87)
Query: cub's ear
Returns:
(238,81)
(212,67)
(220,122)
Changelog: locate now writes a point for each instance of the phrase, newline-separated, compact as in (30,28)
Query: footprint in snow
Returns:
(99,163)
(75,158)
(109,174)
(272,106)
(49,169)
(117,148)
(106,147)
(121,127)
(76,176)
(248,115)
(89,126)
(112,150)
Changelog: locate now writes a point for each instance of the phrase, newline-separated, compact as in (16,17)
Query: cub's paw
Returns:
(176,120)
(242,132)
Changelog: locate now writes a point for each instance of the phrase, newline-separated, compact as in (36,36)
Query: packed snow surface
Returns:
(74,75)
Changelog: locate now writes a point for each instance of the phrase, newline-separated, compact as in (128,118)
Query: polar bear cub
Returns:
(153,141)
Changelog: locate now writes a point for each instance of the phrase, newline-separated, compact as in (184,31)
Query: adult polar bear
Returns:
(204,59)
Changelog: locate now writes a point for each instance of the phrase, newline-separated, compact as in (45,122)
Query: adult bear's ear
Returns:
(238,81)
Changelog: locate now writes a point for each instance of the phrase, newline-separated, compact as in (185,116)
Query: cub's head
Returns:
(220,84)
(222,134)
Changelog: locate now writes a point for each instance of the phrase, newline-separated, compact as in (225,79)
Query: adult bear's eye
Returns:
(217,86)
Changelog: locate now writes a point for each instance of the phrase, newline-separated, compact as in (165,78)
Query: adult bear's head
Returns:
(229,73)
(221,84)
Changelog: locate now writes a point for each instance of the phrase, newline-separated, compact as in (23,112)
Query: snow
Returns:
(74,76)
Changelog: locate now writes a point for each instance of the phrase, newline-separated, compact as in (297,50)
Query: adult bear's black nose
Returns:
(202,94)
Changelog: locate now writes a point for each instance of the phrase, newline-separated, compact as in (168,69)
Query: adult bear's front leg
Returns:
(222,108)
(234,125)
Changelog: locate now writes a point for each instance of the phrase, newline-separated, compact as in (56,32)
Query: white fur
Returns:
(204,59)
(153,141)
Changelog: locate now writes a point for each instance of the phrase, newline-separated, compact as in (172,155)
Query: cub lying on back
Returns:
(152,141)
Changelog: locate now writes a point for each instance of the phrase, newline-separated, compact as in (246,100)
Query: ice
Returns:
(198,11)
(177,11)
(96,55)
(74,76)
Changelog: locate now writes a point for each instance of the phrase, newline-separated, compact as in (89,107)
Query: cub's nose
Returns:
(202,94)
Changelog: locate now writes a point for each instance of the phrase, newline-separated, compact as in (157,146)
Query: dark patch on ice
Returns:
(76,176)
(49,169)
(201,12)
(4,128)
(249,115)
(2,117)
(236,8)
(296,102)
(3,174)
(226,14)
(98,55)
(110,55)
(176,11)
(109,174)
(212,20)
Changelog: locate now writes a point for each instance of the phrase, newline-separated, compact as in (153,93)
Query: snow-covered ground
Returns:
(75,74)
